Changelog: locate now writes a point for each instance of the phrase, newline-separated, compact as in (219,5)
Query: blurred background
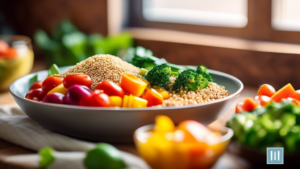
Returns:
(256,41)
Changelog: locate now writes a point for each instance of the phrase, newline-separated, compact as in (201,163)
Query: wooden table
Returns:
(8,149)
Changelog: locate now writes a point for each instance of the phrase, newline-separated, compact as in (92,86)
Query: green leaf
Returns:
(53,70)
(47,157)
(32,80)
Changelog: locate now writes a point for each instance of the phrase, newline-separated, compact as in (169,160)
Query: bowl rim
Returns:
(138,132)
(26,39)
(231,96)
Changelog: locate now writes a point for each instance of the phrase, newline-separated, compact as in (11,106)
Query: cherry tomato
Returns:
(249,104)
(96,99)
(80,79)
(266,90)
(36,94)
(50,82)
(111,89)
(191,131)
(36,85)
(262,100)
(239,107)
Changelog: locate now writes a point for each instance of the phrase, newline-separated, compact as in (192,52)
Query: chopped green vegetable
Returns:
(47,157)
(32,80)
(202,70)
(104,156)
(143,58)
(276,124)
(159,75)
(144,71)
(53,70)
(190,80)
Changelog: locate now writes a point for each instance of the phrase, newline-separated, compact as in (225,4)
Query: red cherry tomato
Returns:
(80,79)
(111,89)
(266,90)
(36,85)
(50,82)
(96,99)
(36,94)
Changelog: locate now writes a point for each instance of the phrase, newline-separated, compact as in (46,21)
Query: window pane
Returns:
(286,14)
(228,13)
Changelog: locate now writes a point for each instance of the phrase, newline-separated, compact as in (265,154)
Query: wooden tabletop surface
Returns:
(8,149)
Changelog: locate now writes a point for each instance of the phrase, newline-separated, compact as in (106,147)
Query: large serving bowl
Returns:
(117,124)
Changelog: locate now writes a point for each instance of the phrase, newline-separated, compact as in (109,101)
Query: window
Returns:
(286,15)
(229,13)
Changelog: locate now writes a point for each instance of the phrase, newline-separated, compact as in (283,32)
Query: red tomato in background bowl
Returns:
(79,79)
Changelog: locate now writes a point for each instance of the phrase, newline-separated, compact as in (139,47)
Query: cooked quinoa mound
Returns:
(103,67)
(211,93)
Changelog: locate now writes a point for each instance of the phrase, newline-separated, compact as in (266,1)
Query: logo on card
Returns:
(275,155)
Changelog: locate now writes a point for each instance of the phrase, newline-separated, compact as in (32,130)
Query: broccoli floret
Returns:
(202,70)
(159,75)
(191,80)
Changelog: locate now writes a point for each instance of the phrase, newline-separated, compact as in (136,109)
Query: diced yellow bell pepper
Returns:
(164,93)
(133,85)
(58,89)
(115,101)
(125,101)
(139,102)
(133,101)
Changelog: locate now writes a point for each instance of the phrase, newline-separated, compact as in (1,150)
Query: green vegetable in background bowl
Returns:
(66,45)
(276,125)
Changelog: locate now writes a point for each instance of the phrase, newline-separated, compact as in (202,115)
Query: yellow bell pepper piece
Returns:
(58,89)
(139,102)
(115,101)
(125,101)
(133,85)
(165,94)
(133,101)
(164,124)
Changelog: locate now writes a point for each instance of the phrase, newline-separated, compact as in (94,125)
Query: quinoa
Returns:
(103,67)
(211,93)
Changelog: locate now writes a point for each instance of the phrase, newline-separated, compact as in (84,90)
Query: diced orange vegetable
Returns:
(296,102)
(115,101)
(296,95)
(10,53)
(249,104)
(266,90)
(284,93)
(239,107)
(153,97)
(3,46)
(133,85)
(262,100)
(58,89)
(164,93)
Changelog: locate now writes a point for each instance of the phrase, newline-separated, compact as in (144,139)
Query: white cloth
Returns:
(16,127)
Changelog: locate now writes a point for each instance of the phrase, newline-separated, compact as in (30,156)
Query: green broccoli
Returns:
(191,80)
(159,75)
(143,58)
(202,70)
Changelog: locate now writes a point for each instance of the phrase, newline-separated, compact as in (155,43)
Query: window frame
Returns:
(259,26)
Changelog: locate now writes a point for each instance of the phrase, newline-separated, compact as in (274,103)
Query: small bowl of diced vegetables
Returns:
(16,59)
(271,119)
(188,145)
